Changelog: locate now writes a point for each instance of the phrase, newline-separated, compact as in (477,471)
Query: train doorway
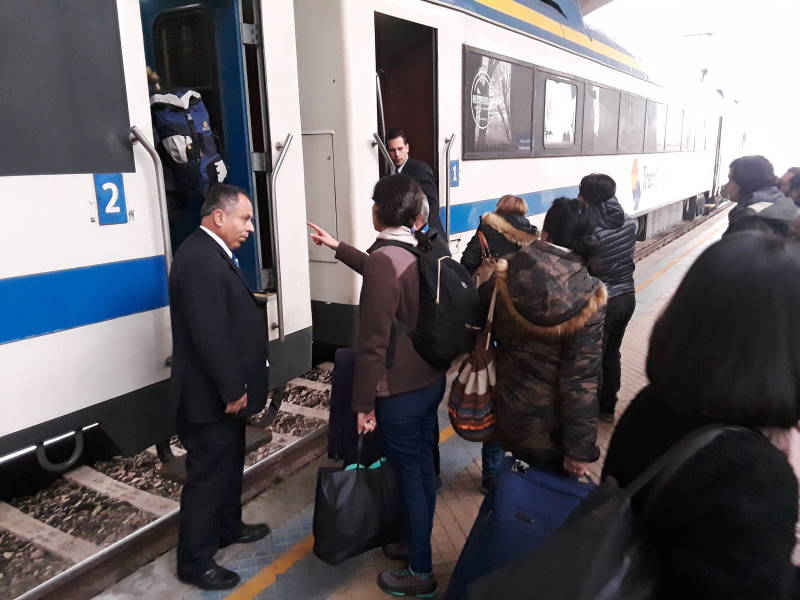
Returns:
(213,47)
(405,58)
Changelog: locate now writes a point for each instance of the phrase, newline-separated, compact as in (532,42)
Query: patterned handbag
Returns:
(470,402)
(485,270)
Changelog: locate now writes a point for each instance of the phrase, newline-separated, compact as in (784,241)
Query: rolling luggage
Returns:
(522,509)
(342,434)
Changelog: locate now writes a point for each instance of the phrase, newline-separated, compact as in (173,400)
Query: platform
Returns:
(282,565)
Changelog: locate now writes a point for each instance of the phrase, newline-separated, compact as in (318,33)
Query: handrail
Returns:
(381,113)
(382,147)
(283,149)
(449,142)
(136,135)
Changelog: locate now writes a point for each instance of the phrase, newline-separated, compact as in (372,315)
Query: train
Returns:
(498,96)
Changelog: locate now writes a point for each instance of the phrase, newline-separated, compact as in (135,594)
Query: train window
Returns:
(600,120)
(655,127)
(560,113)
(674,128)
(64,103)
(497,111)
(689,132)
(632,112)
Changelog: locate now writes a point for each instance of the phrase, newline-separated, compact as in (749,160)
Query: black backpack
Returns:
(449,310)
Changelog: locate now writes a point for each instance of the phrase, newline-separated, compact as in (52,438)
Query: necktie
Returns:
(235,260)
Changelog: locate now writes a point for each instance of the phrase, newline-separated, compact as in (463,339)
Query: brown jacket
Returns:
(548,325)
(390,291)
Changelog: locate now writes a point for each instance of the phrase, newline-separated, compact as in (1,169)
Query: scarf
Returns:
(398,234)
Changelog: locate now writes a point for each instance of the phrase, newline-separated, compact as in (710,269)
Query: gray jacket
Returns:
(766,209)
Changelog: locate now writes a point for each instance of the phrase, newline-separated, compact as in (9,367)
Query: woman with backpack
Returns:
(503,231)
(395,389)
(725,351)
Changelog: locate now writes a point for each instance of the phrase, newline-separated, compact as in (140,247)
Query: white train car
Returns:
(84,317)
(498,97)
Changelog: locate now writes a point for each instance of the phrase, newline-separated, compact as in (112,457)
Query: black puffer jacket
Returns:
(766,209)
(505,233)
(616,236)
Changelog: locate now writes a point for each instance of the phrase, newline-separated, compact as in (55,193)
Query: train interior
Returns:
(200,46)
(405,58)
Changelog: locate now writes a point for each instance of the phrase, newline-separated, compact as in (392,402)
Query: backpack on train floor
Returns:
(185,142)
(449,310)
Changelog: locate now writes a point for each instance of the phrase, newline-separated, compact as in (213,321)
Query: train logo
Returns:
(636,187)
(481,96)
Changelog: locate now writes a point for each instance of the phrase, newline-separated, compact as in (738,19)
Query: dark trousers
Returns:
(407,424)
(211,509)
(619,311)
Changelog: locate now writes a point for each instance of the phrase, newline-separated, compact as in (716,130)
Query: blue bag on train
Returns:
(185,142)
(523,508)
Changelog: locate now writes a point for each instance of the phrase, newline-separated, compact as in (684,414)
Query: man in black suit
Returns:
(219,376)
(397,145)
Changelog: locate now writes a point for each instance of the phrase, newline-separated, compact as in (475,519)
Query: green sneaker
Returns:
(405,582)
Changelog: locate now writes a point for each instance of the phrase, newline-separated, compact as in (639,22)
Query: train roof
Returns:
(559,22)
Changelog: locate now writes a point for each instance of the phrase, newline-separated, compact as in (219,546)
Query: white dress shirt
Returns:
(218,239)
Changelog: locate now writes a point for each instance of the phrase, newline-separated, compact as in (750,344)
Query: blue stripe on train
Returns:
(33,305)
(466,217)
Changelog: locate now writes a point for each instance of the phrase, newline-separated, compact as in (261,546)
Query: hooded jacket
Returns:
(766,209)
(548,325)
(616,239)
(505,233)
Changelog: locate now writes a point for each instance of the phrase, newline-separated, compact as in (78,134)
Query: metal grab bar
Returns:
(382,147)
(136,135)
(283,148)
(381,114)
(449,144)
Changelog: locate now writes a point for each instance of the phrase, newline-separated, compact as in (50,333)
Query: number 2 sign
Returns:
(110,192)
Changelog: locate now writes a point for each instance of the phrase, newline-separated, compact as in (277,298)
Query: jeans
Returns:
(619,311)
(492,454)
(407,424)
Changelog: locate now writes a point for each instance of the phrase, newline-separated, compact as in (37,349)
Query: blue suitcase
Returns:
(522,509)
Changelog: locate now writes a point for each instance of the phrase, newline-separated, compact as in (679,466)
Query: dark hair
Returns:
(569,224)
(396,133)
(400,201)
(752,173)
(597,187)
(794,182)
(221,197)
(727,347)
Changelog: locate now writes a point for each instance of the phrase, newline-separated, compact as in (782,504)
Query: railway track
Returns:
(99,523)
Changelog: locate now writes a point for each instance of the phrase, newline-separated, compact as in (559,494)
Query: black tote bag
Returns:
(356,509)
(599,553)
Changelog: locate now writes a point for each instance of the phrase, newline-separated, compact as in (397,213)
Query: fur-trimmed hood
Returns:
(547,291)
(515,228)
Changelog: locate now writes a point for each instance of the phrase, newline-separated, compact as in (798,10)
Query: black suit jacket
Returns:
(219,334)
(424,176)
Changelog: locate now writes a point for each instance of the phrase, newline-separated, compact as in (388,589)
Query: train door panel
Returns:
(405,57)
(200,46)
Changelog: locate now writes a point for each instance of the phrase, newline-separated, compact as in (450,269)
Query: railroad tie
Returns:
(306,411)
(63,545)
(111,488)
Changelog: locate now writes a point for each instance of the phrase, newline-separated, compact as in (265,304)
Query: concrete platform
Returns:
(282,565)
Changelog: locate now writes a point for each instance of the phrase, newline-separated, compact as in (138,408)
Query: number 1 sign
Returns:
(110,192)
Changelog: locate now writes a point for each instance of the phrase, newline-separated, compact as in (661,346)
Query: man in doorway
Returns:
(219,376)
(790,184)
(398,147)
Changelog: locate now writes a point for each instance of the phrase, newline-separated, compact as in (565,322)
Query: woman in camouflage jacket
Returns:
(548,325)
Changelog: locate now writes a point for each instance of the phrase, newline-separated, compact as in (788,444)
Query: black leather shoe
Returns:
(213,578)
(248,534)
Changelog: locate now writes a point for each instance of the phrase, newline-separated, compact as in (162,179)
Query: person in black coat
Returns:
(398,148)
(612,264)
(725,351)
(506,230)
(219,376)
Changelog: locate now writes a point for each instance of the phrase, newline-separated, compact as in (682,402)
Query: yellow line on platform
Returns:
(269,574)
